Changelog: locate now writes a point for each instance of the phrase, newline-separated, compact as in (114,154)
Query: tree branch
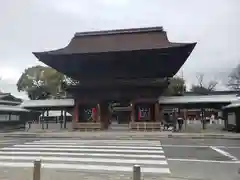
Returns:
(234,79)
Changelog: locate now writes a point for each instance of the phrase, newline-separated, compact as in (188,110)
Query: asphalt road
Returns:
(186,159)
(203,158)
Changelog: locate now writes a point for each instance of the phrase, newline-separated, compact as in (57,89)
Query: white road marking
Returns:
(72,159)
(9,140)
(84,150)
(82,146)
(205,161)
(80,154)
(86,167)
(6,143)
(90,155)
(101,141)
(224,153)
(229,147)
(185,146)
(198,146)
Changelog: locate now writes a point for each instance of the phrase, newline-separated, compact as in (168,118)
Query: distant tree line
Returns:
(41,82)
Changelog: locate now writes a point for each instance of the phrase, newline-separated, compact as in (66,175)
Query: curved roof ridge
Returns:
(119,31)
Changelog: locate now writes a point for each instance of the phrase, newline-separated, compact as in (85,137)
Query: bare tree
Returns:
(202,87)
(234,79)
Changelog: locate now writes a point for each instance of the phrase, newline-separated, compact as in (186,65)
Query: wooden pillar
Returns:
(9,116)
(75,115)
(203,118)
(98,113)
(47,119)
(225,118)
(133,112)
(161,116)
(65,119)
(156,112)
(95,114)
(104,115)
(185,117)
(61,119)
(42,120)
(237,115)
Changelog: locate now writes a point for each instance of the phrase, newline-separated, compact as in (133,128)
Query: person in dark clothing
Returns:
(173,121)
(180,123)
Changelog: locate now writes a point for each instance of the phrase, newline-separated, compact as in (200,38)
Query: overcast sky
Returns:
(37,25)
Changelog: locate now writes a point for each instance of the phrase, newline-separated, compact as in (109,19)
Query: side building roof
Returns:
(47,103)
(9,99)
(6,108)
(168,100)
(235,104)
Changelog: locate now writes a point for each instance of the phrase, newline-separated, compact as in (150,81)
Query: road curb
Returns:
(172,136)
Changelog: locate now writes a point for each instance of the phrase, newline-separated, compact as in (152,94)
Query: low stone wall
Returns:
(145,126)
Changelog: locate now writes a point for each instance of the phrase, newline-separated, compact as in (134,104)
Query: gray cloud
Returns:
(37,25)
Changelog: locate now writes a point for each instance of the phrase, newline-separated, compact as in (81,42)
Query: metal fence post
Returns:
(37,170)
(136,172)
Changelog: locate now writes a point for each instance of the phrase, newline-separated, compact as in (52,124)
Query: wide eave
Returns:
(129,53)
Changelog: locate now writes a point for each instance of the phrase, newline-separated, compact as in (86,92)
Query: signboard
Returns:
(87,114)
(144,113)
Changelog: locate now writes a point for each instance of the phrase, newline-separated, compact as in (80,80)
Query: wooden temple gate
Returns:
(118,65)
(144,115)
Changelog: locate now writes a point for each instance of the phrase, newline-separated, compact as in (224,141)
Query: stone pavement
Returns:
(49,174)
(154,135)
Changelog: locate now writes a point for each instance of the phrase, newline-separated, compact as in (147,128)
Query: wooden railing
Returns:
(145,126)
(87,126)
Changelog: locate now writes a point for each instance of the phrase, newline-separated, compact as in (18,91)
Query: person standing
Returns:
(180,123)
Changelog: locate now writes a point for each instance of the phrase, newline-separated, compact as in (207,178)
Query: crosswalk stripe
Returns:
(52,158)
(9,140)
(95,143)
(82,143)
(131,142)
(82,150)
(83,146)
(81,154)
(90,155)
(86,167)
(98,140)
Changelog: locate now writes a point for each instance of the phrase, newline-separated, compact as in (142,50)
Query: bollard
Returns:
(37,170)
(136,172)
